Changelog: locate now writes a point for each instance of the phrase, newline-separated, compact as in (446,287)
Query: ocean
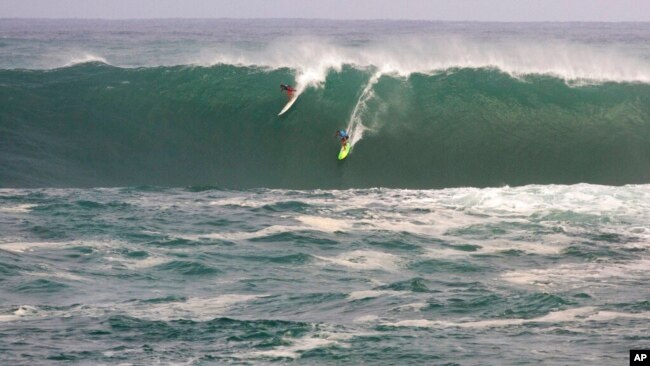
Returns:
(155,209)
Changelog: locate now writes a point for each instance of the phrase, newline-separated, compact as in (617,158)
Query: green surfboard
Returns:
(344,151)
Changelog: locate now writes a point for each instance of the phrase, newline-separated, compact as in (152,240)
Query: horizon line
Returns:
(334,19)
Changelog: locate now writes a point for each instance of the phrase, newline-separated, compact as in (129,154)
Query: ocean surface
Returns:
(154,209)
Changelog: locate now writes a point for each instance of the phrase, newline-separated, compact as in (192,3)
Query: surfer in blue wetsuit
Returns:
(343,136)
(288,89)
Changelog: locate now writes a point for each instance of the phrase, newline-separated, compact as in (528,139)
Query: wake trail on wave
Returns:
(355,127)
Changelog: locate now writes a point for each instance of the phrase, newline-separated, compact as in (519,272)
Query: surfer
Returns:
(292,95)
(343,136)
(286,88)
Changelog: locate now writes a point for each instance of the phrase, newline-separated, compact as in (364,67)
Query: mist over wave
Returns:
(313,58)
(571,51)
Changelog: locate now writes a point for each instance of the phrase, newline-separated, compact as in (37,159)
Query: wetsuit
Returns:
(343,135)
(287,88)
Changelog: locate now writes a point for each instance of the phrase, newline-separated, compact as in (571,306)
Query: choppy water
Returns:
(551,274)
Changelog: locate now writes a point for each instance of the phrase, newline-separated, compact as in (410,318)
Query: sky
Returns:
(450,10)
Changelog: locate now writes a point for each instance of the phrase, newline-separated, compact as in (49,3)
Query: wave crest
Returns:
(84,59)
(313,58)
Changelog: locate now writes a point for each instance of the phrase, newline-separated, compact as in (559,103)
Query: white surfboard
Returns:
(289,104)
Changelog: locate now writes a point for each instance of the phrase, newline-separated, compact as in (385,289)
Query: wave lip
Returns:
(84,59)
(571,51)
(313,58)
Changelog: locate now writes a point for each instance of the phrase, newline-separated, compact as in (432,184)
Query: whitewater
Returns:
(154,209)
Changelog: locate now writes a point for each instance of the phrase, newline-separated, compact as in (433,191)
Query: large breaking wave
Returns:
(467,117)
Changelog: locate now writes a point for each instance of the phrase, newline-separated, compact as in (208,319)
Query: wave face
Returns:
(98,125)
(428,105)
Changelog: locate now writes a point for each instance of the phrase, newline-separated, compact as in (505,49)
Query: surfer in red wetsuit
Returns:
(286,88)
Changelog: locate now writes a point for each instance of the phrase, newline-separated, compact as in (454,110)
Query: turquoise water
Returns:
(98,125)
(154,209)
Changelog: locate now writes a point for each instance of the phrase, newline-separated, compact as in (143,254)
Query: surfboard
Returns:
(344,151)
(289,104)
